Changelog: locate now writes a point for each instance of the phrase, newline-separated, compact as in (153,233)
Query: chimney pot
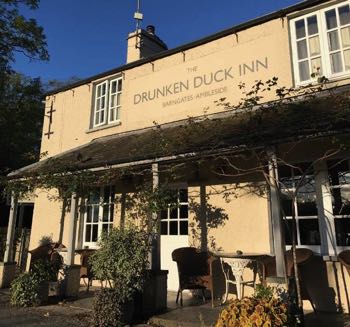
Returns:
(151,29)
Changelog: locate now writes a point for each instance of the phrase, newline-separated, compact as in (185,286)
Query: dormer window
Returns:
(107,102)
(321,44)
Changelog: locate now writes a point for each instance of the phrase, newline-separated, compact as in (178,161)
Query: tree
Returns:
(21,113)
(18,34)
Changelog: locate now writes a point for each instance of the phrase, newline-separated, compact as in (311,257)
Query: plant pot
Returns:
(128,310)
(43,292)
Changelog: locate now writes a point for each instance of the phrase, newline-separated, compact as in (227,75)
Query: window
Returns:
(339,182)
(99,215)
(174,220)
(107,102)
(304,204)
(321,43)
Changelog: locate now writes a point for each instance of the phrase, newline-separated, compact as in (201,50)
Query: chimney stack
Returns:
(143,44)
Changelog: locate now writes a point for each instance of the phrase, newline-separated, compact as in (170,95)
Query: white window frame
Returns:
(324,48)
(107,109)
(100,205)
(179,219)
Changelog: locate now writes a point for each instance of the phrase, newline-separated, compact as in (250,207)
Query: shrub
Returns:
(254,312)
(109,309)
(122,261)
(24,290)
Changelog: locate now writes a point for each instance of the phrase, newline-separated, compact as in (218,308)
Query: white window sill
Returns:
(99,128)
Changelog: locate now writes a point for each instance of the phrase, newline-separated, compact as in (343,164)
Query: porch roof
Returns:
(264,125)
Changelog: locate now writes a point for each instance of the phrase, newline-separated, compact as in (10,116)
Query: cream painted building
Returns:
(91,123)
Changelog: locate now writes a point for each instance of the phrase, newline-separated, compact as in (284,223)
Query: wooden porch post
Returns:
(276,217)
(72,230)
(8,257)
(155,251)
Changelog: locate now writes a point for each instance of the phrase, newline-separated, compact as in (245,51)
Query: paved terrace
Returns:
(78,313)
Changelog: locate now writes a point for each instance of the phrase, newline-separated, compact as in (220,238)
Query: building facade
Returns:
(306,44)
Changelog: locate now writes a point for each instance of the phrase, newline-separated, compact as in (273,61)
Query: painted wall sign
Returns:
(197,81)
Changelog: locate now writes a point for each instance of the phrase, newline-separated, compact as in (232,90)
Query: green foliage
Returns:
(19,34)
(21,115)
(254,312)
(24,290)
(264,292)
(109,309)
(122,260)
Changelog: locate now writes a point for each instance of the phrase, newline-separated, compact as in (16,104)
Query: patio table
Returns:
(237,262)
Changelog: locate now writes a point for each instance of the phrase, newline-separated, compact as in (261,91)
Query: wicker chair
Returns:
(344,258)
(85,269)
(195,271)
(303,256)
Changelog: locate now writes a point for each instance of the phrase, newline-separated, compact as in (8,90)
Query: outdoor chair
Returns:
(195,271)
(303,256)
(344,258)
(85,267)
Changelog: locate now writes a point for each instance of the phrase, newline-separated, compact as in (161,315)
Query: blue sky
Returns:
(87,37)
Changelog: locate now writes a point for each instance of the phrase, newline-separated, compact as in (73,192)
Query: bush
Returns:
(109,309)
(25,290)
(254,312)
(122,261)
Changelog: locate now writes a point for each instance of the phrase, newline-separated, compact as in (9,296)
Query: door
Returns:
(174,234)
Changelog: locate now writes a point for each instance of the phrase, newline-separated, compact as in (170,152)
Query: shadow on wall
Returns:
(206,217)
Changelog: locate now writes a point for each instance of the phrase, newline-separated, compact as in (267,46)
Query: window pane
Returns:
(333,41)
(304,71)
(316,66)
(345,36)
(183,227)
(95,214)
(331,19)
(88,233)
(105,216)
(102,116)
(118,99)
(111,115)
(342,230)
(184,211)
(113,98)
(111,212)
(103,89)
(114,87)
(173,213)
(309,232)
(306,204)
(312,25)
(339,173)
(98,91)
(105,228)
(117,114)
(164,214)
(344,15)
(119,85)
(88,214)
(347,59)
(300,28)
(164,228)
(341,200)
(287,205)
(314,46)
(173,228)
(302,49)
(337,66)
(183,196)
(94,233)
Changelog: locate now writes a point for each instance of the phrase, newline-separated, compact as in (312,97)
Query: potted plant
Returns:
(121,261)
